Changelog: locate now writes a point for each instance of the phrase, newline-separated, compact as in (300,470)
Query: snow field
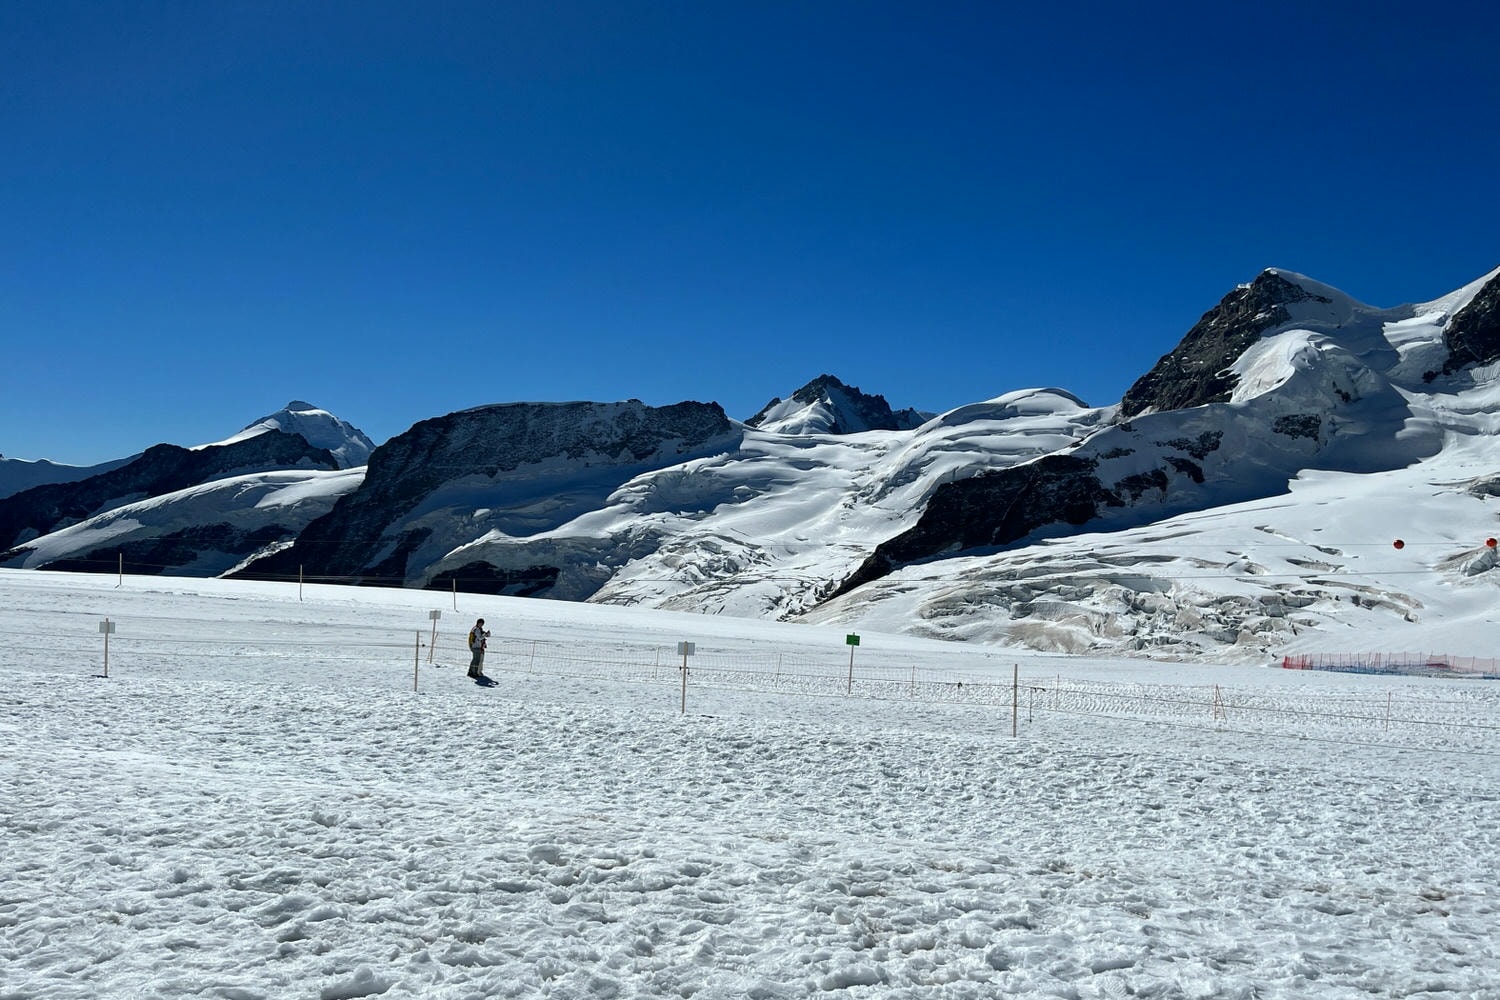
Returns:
(239,813)
(1409,713)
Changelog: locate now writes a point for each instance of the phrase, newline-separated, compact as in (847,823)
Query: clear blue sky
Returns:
(397,210)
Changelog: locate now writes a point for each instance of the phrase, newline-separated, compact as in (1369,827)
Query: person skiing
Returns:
(477,636)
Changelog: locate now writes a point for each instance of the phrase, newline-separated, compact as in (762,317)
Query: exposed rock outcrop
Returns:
(994,509)
(1473,336)
(181,553)
(1197,371)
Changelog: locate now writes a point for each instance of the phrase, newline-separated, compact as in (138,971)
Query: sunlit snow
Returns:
(256,804)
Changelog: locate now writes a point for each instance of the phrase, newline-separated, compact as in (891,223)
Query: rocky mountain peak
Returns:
(1197,371)
(349,445)
(1473,335)
(828,406)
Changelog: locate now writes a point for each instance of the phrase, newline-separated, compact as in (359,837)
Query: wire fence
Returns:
(1444,717)
(1404,664)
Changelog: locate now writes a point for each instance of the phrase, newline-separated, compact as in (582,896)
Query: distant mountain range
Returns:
(18,474)
(1238,487)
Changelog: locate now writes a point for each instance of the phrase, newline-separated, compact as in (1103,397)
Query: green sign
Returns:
(851,639)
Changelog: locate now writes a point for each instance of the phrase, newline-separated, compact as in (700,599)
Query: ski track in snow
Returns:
(171,836)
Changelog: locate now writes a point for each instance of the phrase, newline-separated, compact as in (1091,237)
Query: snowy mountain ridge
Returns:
(194,511)
(1031,519)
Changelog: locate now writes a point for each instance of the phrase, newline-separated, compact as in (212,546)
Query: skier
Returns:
(477,636)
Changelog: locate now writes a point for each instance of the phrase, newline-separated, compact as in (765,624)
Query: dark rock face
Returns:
(482,578)
(1199,447)
(994,509)
(164,468)
(170,554)
(872,413)
(1308,425)
(1139,484)
(1196,372)
(1473,336)
(362,538)
(760,417)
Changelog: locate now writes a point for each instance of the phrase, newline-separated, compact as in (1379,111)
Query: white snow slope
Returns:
(256,804)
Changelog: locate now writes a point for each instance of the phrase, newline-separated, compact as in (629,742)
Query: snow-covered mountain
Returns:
(436,497)
(1241,492)
(1285,375)
(189,511)
(1318,431)
(319,428)
(676,507)
(769,528)
(827,406)
(206,529)
(1315,569)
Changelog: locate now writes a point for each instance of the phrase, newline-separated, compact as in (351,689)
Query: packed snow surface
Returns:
(255,803)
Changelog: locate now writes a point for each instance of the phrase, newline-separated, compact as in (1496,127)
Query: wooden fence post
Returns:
(106,627)
(1015,698)
(686,649)
(851,640)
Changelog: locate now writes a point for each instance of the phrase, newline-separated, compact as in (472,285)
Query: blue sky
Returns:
(396,210)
